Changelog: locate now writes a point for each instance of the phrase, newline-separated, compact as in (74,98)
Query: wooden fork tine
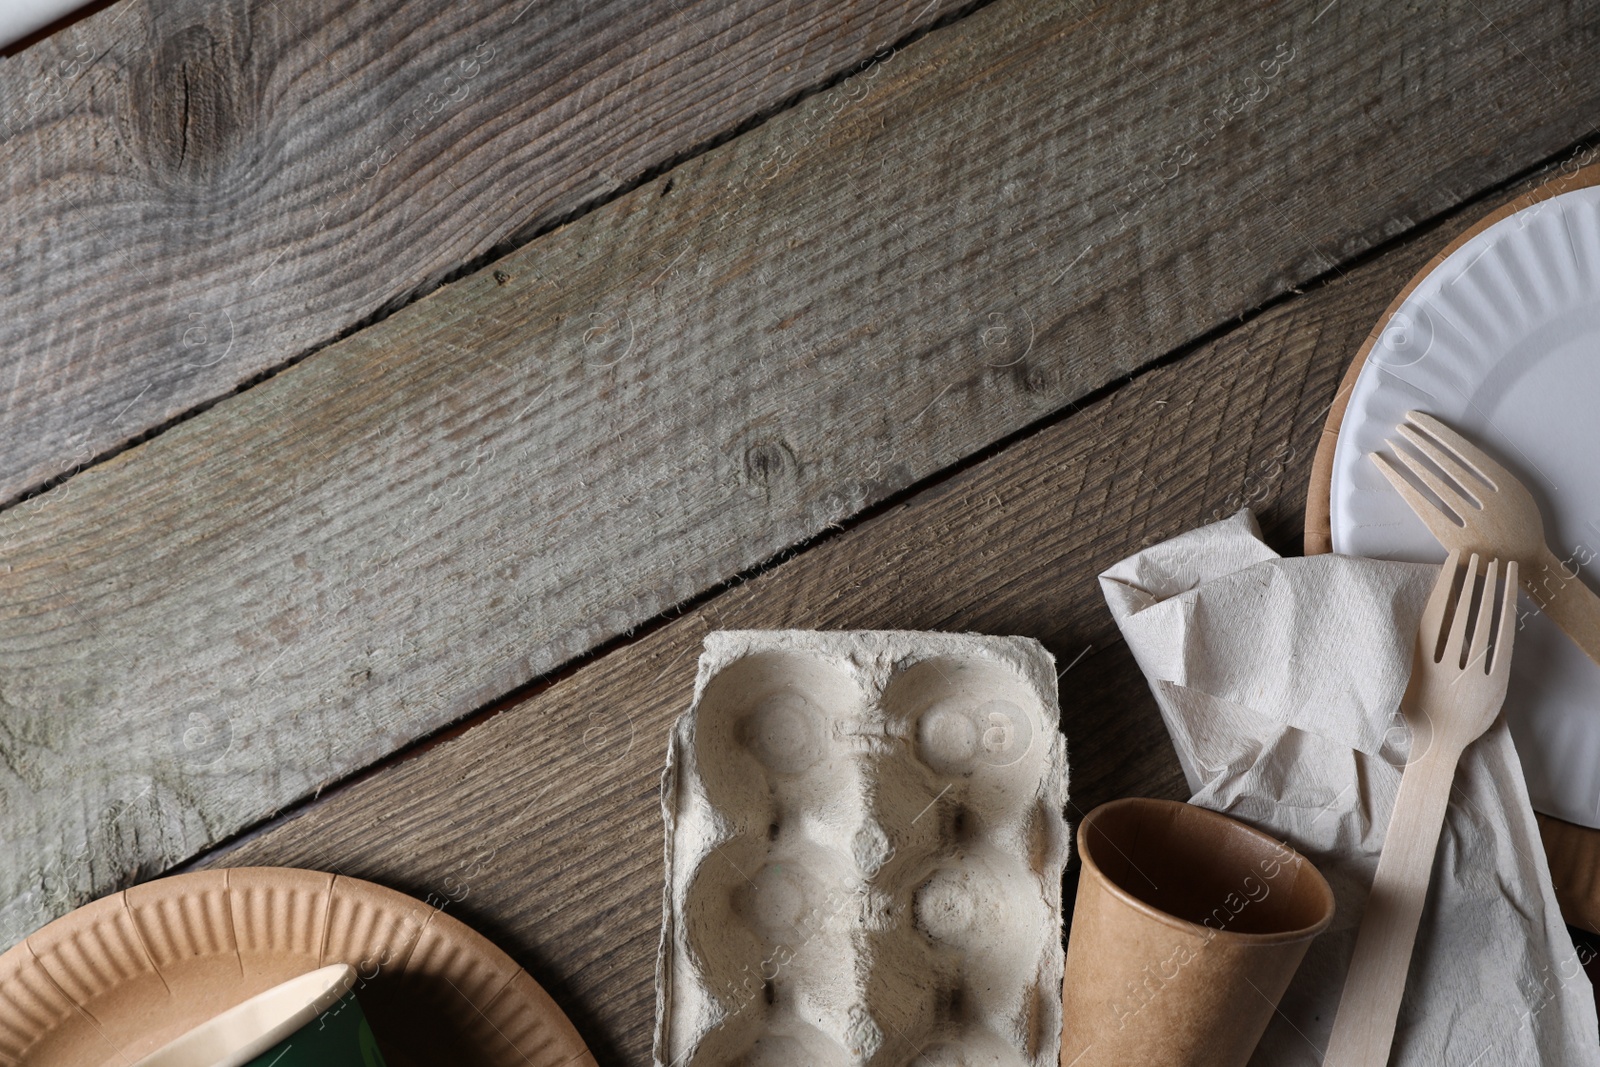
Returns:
(1464,451)
(1465,477)
(1463,608)
(1437,522)
(1478,656)
(1452,497)
(1508,624)
(1433,615)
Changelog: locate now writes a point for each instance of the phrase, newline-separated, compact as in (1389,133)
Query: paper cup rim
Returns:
(1200,930)
(323,988)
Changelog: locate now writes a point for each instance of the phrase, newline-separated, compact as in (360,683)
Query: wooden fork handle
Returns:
(1363,1029)
(1561,593)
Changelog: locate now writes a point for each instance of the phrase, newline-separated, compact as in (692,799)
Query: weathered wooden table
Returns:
(393,397)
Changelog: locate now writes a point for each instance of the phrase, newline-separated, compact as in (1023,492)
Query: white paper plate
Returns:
(1502,341)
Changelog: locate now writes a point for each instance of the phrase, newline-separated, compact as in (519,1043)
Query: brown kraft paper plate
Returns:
(119,978)
(1573,851)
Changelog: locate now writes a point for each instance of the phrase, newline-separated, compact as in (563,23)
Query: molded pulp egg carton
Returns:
(865,845)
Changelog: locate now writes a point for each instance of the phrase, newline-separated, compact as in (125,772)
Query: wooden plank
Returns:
(546,833)
(676,387)
(197,192)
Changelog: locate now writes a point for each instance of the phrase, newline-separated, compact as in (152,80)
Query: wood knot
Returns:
(1038,380)
(766,463)
(187,103)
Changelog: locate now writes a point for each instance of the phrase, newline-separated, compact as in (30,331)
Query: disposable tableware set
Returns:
(867,832)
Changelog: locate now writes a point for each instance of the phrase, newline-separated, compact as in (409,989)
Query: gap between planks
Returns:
(570,883)
(1446,223)
(556,197)
(257,571)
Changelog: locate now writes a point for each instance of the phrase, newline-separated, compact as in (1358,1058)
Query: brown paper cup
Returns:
(1187,928)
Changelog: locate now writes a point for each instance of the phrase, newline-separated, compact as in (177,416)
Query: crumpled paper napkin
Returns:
(1280,683)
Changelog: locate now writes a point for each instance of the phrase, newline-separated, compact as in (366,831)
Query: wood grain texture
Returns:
(542,826)
(966,237)
(196,192)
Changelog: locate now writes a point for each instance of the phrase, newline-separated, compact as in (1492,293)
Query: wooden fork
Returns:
(1457,686)
(1493,514)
